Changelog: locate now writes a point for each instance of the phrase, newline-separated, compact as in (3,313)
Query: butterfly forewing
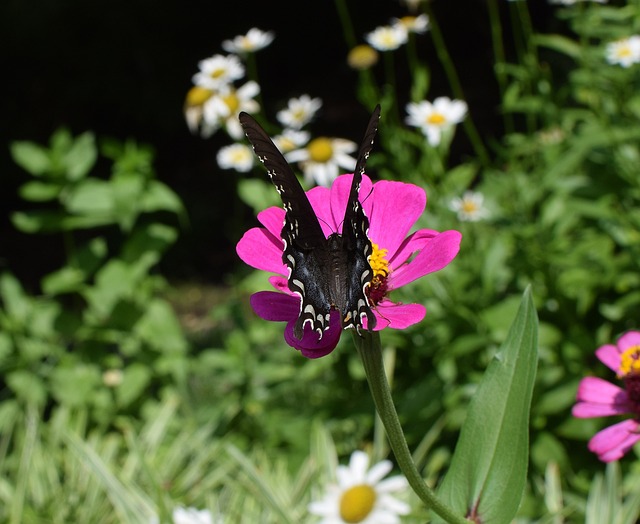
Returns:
(305,246)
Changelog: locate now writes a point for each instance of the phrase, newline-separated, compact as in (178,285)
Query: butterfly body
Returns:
(326,273)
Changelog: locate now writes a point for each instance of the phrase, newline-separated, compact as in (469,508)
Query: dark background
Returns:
(122,68)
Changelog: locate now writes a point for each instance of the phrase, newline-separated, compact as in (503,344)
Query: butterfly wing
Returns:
(305,246)
(355,238)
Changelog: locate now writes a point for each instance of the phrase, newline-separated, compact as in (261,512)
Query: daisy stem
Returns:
(456,86)
(369,349)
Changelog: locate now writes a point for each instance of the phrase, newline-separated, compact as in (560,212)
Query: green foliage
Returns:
(99,335)
(488,471)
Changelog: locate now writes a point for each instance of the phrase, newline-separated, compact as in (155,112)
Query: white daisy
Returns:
(192,516)
(182,515)
(235,156)
(223,108)
(253,41)
(218,71)
(388,37)
(291,139)
(470,207)
(193,106)
(361,496)
(434,118)
(413,24)
(299,111)
(322,157)
(625,52)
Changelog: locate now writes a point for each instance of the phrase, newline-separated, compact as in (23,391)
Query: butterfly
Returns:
(326,273)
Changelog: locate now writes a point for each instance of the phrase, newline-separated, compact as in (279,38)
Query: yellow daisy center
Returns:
(624,51)
(362,57)
(320,150)
(232,102)
(357,503)
(436,119)
(217,73)
(469,206)
(378,262)
(198,95)
(630,362)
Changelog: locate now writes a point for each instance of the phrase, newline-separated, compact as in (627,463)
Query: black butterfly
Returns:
(327,273)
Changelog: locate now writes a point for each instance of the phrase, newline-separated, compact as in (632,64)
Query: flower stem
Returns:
(368,346)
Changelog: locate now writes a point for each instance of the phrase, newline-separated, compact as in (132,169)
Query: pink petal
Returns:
(397,316)
(277,307)
(613,442)
(280,283)
(436,254)
(629,339)
(260,249)
(413,243)
(609,355)
(321,204)
(396,207)
(599,398)
(311,346)
(273,219)
(340,195)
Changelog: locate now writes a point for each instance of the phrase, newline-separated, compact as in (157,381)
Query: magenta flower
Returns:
(397,259)
(599,398)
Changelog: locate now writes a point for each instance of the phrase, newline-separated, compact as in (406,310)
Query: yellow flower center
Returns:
(408,21)
(624,51)
(232,102)
(469,206)
(436,119)
(378,262)
(356,503)
(198,95)
(320,150)
(217,73)
(362,57)
(630,362)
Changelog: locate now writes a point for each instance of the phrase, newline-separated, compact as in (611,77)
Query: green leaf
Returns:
(160,197)
(135,379)
(27,386)
(258,194)
(559,43)
(75,383)
(36,191)
(488,471)
(91,197)
(15,301)
(37,221)
(31,157)
(65,280)
(80,157)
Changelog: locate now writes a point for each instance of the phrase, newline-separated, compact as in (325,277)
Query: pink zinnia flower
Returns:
(397,259)
(599,398)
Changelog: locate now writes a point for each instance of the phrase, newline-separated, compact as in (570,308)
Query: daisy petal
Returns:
(609,355)
(379,471)
(613,442)
(441,250)
(260,249)
(398,316)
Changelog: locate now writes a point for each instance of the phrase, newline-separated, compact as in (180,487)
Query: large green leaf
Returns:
(488,471)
